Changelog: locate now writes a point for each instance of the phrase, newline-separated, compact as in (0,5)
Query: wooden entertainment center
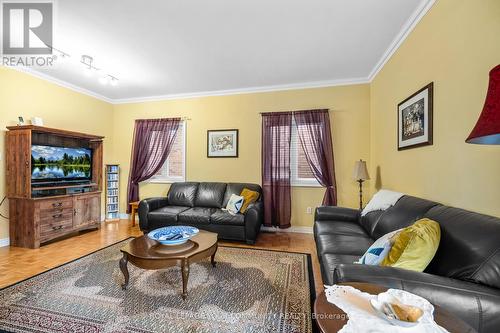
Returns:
(39,214)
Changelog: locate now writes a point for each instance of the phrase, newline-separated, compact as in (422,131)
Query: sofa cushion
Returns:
(182,194)
(342,244)
(328,263)
(236,188)
(378,251)
(403,214)
(196,215)
(210,195)
(414,246)
(164,216)
(469,248)
(224,218)
(337,227)
(250,197)
(370,220)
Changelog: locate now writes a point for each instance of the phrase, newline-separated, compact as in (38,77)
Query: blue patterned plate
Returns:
(173,235)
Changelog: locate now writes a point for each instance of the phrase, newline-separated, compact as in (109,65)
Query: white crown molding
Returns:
(408,27)
(250,90)
(4,242)
(61,83)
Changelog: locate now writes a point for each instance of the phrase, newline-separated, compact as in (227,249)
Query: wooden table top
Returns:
(144,247)
(331,319)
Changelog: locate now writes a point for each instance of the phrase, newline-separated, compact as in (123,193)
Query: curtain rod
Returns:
(313,110)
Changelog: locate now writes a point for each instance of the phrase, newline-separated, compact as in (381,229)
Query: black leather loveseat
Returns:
(200,205)
(463,277)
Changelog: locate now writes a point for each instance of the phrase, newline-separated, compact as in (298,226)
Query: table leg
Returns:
(212,258)
(185,276)
(133,212)
(124,269)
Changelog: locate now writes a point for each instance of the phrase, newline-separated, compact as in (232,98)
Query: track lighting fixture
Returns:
(90,69)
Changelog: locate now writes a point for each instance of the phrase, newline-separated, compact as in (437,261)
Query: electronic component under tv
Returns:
(52,164)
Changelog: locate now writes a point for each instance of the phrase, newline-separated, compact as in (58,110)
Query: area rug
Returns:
(249,291)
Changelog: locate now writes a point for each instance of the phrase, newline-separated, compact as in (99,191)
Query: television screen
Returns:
(49,163)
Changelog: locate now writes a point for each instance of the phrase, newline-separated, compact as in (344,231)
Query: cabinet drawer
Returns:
(56,204)
(55,229)
(49,216)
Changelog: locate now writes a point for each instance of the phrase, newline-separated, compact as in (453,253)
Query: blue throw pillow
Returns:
(234,204)
(379,250)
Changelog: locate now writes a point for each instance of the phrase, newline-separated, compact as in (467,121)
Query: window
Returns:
(174,169)
(301,173)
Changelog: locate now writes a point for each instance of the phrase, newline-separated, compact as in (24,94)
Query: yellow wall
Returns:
(22,94)
(349,114)
(27,96)
(455,45)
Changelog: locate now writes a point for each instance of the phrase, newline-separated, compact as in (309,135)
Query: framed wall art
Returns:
(415,123)
(222,143)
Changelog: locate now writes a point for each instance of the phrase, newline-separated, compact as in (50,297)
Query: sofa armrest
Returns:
(148,205)
(477,305)
(331,213)
(254,217)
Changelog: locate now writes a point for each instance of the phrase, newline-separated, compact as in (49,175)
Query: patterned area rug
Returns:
(249,291)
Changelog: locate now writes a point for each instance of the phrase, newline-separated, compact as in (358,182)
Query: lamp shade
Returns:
(360,171)
(487,129)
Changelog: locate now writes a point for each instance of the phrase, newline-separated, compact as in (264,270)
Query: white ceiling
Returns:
(159,49)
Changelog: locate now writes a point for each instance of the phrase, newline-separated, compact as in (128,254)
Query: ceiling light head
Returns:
(114,81)
(87,61)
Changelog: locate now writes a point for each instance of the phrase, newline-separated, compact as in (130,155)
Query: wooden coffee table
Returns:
(146,253)
(331,319)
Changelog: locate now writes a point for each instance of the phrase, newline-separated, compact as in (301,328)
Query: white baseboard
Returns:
(4,242)
(301,230)
(124,216)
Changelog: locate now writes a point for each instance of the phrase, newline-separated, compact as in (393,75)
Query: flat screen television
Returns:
(51,164)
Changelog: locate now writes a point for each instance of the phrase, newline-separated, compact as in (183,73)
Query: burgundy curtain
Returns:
(313,128)
(276,135)
(153,140)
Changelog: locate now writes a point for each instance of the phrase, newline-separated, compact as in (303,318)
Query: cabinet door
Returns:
(87,210)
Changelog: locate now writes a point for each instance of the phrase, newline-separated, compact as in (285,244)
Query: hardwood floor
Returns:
(17,264)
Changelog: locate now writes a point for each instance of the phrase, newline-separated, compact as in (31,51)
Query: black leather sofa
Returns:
(463,277)
(200,205)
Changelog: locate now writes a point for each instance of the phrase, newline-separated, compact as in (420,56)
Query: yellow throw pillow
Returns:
(414,246)
(250,197)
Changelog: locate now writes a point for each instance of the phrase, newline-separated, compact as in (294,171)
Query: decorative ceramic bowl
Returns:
(173,235)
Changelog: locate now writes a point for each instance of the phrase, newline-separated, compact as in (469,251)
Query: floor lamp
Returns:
(360,174)
(487,129)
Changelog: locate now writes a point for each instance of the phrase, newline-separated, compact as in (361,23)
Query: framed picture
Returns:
(222,143)
(415,119)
